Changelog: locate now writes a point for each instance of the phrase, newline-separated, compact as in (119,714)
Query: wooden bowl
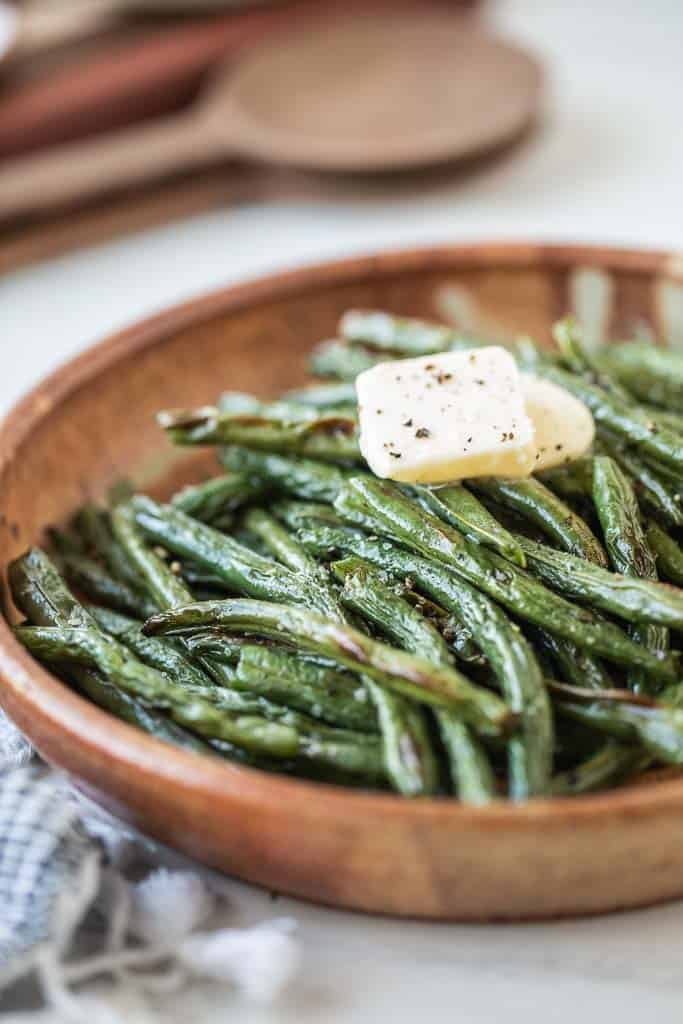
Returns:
(93,421)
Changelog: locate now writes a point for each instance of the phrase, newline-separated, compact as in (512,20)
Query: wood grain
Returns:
(94,420)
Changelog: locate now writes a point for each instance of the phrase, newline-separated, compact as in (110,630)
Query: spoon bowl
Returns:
(373,93)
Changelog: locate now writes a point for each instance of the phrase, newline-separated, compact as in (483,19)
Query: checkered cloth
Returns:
(58,858)
(45,863)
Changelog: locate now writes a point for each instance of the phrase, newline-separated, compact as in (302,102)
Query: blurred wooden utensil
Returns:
(40,24)
(137,71)
(358,94)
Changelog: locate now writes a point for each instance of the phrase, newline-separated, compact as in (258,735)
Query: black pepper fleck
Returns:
(422,432)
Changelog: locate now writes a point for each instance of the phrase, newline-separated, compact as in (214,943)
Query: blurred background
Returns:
(152,149)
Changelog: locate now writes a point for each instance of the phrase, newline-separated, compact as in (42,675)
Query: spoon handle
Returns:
(84,170)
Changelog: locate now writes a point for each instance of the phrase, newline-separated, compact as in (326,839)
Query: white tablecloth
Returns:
(606,165)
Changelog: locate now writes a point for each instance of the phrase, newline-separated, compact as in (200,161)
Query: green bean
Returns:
(629,551)
(324,396)
(213,498)
(619,516)
(400,335)
(159,654)
(90,648)
(370,596)
(667,418)
(240,403)
(299,514)
(112,622)
(651,373)
(91,523)
(40,592)
(378,507)
(239,567)
(569,338)
(624,420)
(393,669)
(668,553)
(367,594)
(356,752)
(510,657)
(613,763)
(328,437)
(201,580)
(125,707)
(575,665)
(335,358)
(65,542)
(635,600)
(573,481)
(163,586)
(281,544)
(658,729)
(473,776)
(121,490)
(169,592)
(671,477)
(653,491)
(94,525)
(457,506)
(539,606)
(255,724)
(213,644)
(301,478)
(409,759)
(334,697)
(97,584)
(166,591)
(531,499)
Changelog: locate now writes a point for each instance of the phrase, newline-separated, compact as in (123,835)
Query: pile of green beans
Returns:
(488,639)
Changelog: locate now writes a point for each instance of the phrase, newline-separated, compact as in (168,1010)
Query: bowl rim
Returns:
(30,693)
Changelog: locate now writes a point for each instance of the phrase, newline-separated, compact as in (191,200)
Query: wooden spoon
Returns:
(363,94)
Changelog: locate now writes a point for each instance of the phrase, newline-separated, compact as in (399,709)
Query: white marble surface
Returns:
(606,165)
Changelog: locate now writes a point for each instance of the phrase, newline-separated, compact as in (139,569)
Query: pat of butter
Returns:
(563,425)
(445,417)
